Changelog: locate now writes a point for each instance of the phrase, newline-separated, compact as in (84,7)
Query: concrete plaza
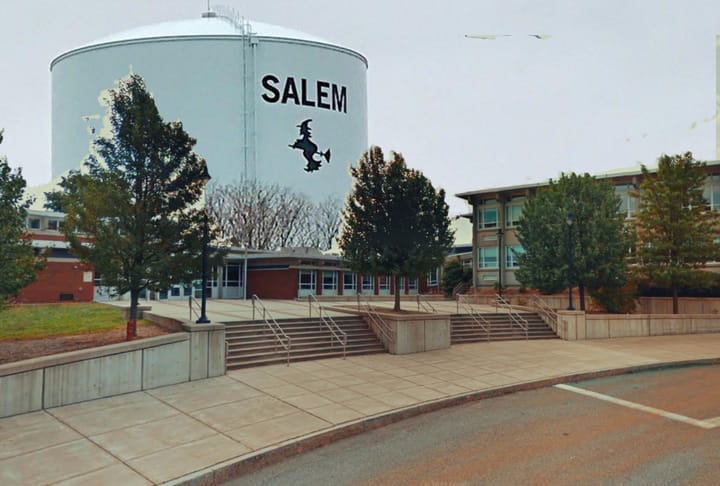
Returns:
(204,431)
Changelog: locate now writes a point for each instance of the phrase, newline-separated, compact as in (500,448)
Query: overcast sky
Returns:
(619,82)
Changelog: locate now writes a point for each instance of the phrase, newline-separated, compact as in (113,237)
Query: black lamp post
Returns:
(500,261)
(570,260)
(203,296)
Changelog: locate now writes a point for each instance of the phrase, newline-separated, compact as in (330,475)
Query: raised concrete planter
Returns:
(62,379)
(576,325)
(207,350)
(417,333)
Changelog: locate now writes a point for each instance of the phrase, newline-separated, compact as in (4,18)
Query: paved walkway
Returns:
(206,429)
(233,310)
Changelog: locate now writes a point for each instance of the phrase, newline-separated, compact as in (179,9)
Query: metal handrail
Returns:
(478,319)
(381,329)
(461,287)
(192,300)
(424,305)
(280,336)
(546,312)
(330,323)
(514,316)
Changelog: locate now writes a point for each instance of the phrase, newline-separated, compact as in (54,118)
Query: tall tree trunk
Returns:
(675,298)
(131,328)
(581,291)
(396,280)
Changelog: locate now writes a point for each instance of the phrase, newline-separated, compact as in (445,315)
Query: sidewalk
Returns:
(241,310)
(203,430)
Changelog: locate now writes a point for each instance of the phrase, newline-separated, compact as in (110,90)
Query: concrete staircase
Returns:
(502,328)
(251,343)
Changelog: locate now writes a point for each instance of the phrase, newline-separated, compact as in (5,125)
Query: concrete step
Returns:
(493,338)
(251,343)
(312,331)
(297,346)
(281,358)
(501,326)
(294,332)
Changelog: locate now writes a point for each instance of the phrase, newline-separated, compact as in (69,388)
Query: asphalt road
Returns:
(550,436)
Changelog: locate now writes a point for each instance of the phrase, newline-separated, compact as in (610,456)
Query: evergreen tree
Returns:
(455,273)
(675,228)
(573,235)
(18,263)
(395,222)
(136,199)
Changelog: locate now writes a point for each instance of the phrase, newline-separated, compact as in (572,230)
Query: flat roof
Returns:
(615,173)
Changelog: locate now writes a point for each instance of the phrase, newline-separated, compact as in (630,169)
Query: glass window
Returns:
(488,257)
(413,283)
(488,218)
(628,202)
(212,278)
(307,279)
(711,192)
(34,223)
(350,281)
(329,280)
(368,283)
(233,275)
(52,224)
(384,282)
(512,214)
(432,278)
(511,255)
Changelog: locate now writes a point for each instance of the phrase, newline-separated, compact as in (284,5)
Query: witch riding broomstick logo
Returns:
(309,148)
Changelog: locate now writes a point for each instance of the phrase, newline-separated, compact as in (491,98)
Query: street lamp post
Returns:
(569,221)
(500,261)
(203,319)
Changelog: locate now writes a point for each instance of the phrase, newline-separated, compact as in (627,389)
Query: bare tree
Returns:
(326,223)
(266,216)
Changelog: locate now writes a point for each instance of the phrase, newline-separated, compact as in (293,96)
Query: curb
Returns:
(234,468)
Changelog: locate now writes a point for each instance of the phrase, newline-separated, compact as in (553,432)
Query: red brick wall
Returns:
(273,284)
(59,278)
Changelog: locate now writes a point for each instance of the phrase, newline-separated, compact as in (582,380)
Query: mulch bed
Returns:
(17,350)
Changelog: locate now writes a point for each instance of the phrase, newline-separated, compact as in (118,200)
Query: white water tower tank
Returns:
(264,102)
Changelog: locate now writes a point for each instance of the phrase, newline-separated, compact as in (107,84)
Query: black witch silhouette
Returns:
(309,148)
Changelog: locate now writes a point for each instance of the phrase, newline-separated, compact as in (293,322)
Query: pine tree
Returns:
(18,263)
(675,228)
(395,222)
(137,199)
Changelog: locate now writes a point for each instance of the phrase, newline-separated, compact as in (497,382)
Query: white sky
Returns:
(620,81)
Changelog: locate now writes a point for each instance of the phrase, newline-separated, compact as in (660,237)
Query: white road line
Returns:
(705,424)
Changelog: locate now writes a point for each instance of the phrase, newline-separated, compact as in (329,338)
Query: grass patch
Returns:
(41,321)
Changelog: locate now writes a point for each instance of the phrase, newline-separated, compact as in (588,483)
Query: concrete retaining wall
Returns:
(417,333)
(62,379)
(686,305)
(576,325)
